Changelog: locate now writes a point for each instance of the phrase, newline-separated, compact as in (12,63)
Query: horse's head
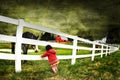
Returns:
(35,47)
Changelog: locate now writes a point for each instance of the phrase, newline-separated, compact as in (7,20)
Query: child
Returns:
(51,54)
(59,39)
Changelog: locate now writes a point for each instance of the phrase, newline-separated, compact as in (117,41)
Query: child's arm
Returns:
(45,54)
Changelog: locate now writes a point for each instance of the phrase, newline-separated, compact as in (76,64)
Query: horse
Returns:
(26,46)
(47,36)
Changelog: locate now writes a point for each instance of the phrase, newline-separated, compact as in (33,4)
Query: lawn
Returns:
(106,68)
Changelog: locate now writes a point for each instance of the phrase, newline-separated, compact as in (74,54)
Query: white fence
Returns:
(105,49)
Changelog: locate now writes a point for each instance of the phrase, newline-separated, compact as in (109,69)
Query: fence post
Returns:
(74,50)
(101,50)
(109,50)
(93,52)
(106,49)
(18,45)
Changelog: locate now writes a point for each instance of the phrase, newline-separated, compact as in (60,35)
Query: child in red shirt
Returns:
(52,58)
(59,39)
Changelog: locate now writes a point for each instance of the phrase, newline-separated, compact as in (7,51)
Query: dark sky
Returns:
(95,15)
(109,8)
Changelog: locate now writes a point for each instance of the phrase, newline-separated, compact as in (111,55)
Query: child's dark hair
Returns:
(48,47)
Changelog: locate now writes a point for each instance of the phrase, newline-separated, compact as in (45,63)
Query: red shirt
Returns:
(51,54)
(59,39)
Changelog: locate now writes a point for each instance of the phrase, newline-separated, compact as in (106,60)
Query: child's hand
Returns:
(41,56)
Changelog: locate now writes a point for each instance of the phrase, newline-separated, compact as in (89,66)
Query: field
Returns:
(106,68)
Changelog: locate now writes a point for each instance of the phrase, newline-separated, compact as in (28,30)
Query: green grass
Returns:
(63,52)
(5,45)
(106,68)
(60,51)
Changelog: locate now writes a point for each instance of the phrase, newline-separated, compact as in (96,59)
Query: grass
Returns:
(60,51)
(5,45)
(106,68)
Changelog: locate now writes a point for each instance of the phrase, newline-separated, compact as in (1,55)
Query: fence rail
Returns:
(104,49)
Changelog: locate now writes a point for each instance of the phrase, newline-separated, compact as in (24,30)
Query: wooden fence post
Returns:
(18,45)
(109,50)
(101,50)
(74,51)
(106,50)
(93,52)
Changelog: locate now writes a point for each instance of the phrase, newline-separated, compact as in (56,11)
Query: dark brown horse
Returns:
(26,46)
